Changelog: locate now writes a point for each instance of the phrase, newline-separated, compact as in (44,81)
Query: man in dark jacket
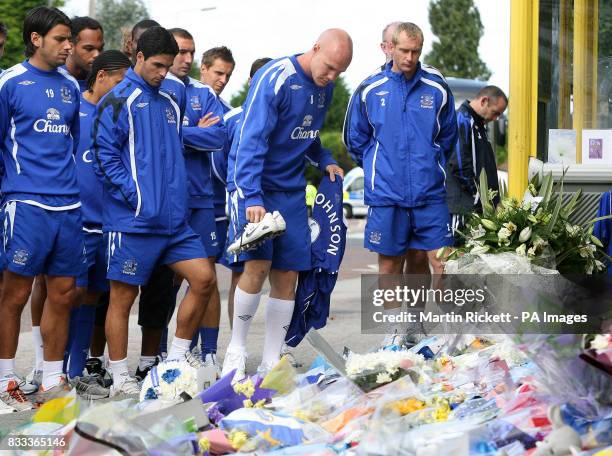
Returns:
(473,153)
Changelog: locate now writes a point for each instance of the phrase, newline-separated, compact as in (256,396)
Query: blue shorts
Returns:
(223,258)
(290,251)
(42,241)
(2,257)
(93,275)
(202,222)
(132,256)
(393,230)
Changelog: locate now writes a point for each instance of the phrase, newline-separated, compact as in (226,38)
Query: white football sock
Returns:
(119,371)
(245,306)
(38,348)
(278,317)
(178,349)
(7,372)
(52,373)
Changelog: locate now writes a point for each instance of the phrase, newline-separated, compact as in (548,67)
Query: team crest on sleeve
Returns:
(66,94)
(427,101)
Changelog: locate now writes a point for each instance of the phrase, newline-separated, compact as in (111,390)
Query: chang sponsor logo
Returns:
(48,126)
(88,156)
(303,132)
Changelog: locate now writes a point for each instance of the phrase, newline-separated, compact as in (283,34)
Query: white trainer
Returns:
(235,358)
(32,382)
(12,399)
(272,225)
(128,387)
(210,360)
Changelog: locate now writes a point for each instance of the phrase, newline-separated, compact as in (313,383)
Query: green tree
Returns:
(337,109)
(12,13)
(115,14)
(605,30)
(458,29)
(239,97)
(195,70)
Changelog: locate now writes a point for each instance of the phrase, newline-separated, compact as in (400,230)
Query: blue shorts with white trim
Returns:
(291,250)
(202,222)
(393,230)
(131,257)
(41,240)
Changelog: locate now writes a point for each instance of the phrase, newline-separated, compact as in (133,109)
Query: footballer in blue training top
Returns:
(39,130)
(280,124)
(139,155)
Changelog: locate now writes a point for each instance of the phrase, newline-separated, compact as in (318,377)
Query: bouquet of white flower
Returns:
(169,380)
(372,370)
(538,229)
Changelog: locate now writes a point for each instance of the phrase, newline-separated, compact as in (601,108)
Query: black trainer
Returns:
(95,369)
(142,374)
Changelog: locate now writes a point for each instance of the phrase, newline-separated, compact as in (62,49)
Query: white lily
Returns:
(521,250)
(480,249)
(525,234)
(510,226)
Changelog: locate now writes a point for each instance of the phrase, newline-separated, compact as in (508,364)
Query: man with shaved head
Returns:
(282,116)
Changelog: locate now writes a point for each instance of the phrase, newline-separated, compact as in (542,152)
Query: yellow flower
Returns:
(204,445)
(247,403)
(247,389)
(267,436)
(301,415)
(237,438)
(442,408)
(260,403)
(406,406)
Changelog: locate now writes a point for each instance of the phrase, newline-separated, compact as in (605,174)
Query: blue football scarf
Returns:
(328,239)
(603,228)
